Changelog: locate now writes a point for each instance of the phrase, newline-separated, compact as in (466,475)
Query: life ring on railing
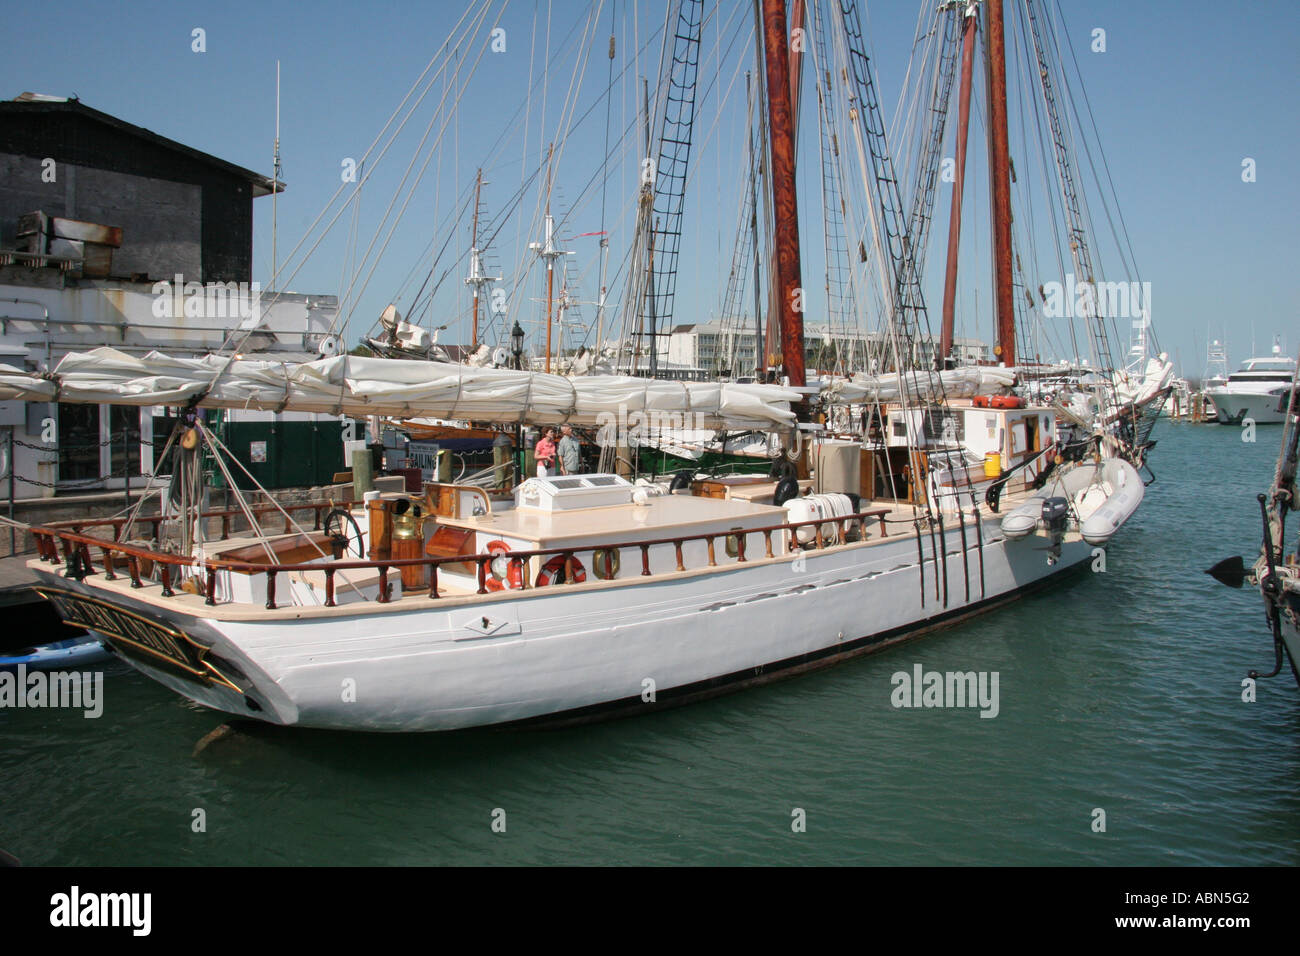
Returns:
(553,572)
(504,572)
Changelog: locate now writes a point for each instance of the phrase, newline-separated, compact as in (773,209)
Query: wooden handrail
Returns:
(76,543)
(117,523)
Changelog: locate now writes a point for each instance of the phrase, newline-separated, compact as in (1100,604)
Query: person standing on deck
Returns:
(544,453)
(570,452)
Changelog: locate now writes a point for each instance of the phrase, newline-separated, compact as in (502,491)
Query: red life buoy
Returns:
(553,572)
(513,577)
(980,401)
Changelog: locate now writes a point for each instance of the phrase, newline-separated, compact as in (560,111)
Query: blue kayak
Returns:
(73,652)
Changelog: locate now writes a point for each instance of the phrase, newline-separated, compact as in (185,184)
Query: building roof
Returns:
(37,103)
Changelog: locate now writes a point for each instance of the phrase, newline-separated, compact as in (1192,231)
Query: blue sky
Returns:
(1183,93)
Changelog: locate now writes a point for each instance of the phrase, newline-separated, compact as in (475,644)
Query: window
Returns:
(78,442)
(98,442)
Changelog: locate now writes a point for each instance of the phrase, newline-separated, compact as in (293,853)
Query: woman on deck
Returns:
(544,453)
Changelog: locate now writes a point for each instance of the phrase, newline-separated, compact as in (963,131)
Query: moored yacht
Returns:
(1256,391)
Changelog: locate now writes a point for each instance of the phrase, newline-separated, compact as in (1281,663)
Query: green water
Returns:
(1118,690)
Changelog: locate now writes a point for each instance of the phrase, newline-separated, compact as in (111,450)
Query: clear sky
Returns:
(1183,94)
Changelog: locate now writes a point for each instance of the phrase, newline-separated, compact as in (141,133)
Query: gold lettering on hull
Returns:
(137,636)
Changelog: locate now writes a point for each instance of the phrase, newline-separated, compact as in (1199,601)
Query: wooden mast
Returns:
(1000,176)
(959,182)
(776,42)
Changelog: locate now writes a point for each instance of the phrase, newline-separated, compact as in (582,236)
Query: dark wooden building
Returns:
(180,210)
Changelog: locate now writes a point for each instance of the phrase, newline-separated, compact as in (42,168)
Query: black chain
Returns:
(56,447)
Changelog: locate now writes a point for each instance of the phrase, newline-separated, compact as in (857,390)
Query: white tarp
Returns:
(17,384)
(357,386)
(956,383)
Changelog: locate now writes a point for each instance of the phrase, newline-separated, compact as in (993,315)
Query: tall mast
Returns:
(781,122)
(1000,183)
(477,278)
(275,174)
(546,250)
(475,271)
(954,219)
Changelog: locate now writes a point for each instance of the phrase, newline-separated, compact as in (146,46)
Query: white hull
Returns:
(1103,497)
(572,650)
(1233,406)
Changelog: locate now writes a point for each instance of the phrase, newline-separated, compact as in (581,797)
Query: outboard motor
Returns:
(1056,519)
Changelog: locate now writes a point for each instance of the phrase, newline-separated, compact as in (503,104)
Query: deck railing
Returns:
(73,548)
(78,525)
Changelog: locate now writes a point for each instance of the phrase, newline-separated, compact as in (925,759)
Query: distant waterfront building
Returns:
(713,346)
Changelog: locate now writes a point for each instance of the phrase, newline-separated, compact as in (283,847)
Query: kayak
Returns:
(74,652)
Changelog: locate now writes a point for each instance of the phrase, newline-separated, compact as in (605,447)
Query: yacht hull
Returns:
(580,652)
(1233,407)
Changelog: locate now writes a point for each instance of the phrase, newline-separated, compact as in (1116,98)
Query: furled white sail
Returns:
(352,385)
(951,383)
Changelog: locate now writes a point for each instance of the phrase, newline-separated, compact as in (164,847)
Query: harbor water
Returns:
(1120,737)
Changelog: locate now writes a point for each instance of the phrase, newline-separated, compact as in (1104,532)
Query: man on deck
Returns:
(570,452)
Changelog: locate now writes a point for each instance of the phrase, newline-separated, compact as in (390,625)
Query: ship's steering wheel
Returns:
(336,526)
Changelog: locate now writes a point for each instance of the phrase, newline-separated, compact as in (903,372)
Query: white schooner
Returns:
(585,595)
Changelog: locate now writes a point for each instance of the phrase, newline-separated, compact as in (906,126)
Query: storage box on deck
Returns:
(727,486)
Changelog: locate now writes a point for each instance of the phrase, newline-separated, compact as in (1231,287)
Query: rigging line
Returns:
(450,221)
(1056,214)
(523,157)
(604,160)
(570,102)
(410,194)
(397,191)
(418,299)
(276,279)
(725,98)
(153,477)
(1074,207)
(546,72)
(1058,63)
(847,213)
(1132,262)
(378,138)
(618,145)
(1029,106)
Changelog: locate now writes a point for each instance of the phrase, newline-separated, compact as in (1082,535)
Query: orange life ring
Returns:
(514,576)
(553,572)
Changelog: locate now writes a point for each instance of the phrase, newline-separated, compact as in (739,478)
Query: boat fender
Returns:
(513,576)
(786,489)
(553,572)
(681,479)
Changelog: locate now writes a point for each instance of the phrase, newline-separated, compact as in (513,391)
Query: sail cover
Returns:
(922,386)
(352,385)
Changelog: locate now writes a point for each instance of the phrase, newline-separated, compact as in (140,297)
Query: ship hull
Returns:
(584,652)
(1235,407)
